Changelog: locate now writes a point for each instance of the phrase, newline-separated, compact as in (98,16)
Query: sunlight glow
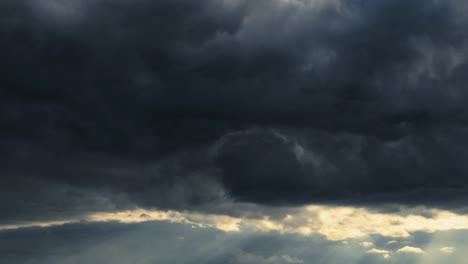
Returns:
(335,223)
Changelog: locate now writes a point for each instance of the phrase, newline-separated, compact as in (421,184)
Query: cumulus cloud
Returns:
(412,250)
(367,244)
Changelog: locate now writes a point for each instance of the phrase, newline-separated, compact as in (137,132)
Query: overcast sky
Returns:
(233,131)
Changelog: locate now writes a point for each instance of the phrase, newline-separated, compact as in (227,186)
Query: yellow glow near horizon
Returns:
(335,223)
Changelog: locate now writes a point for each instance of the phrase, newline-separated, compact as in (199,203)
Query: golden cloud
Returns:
(335,223)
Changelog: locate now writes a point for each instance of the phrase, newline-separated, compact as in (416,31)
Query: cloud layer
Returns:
(110,105)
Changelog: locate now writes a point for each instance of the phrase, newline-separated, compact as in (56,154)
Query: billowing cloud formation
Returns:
(112,105)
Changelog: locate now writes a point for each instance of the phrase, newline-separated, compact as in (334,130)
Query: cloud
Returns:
(448,250)
(187,104)
(265,131)
(255,163)
(413,250)
(385,253)
(367,244)
(333,223)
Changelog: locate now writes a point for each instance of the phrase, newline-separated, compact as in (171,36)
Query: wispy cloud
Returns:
(384,253)
(448,250)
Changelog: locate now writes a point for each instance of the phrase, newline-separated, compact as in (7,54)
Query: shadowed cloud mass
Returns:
(233,131)
(188,105)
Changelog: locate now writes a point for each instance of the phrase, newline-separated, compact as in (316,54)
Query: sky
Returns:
(233,131)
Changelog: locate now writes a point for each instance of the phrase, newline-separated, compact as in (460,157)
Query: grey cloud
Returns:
(128,99)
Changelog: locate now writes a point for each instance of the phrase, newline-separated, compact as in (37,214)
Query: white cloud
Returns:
(367,244)
(384,253)
(409,249)
(448,250)
(335,223)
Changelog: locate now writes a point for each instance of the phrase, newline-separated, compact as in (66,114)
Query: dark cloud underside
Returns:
(181,103)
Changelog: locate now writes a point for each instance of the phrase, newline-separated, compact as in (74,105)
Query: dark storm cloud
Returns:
(181,103)
(261,165)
